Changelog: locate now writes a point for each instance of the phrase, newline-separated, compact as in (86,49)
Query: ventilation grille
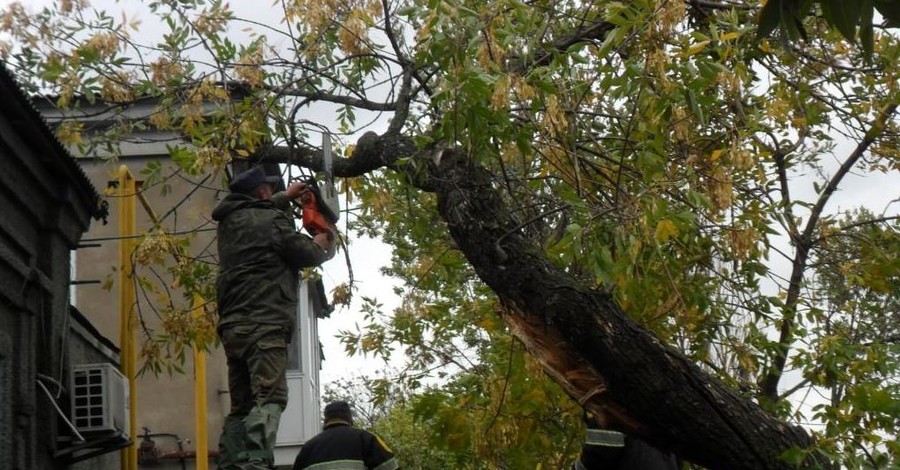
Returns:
(99,399)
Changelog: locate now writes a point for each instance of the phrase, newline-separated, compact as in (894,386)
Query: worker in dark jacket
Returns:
(340,446)
(604,449)
(260,255)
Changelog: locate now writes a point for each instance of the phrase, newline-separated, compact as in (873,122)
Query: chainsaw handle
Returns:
(296,190)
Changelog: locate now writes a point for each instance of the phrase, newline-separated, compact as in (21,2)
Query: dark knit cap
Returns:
(338,410)
(251,179)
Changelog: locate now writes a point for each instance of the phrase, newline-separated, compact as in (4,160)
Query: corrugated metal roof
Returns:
(34,128)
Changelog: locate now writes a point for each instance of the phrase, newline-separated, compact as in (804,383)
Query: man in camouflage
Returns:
(260,255)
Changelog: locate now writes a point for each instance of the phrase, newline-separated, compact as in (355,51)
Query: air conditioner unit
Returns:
(99,399)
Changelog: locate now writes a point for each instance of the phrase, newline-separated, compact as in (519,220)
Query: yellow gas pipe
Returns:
(200,396)
(127,229)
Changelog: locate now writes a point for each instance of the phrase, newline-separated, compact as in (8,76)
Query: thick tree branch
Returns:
(652,389)
(594,32)
(337,99)
(372,152)
(723,5)
(403,99)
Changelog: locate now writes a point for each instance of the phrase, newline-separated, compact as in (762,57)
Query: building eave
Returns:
(31,126)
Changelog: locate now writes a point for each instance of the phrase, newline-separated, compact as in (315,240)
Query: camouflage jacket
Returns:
(260,255)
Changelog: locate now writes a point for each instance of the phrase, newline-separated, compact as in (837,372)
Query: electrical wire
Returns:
(58,410)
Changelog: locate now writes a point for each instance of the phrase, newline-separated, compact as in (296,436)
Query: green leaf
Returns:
(52,70)
(769,18)
(866,30)
(181,156)
(794,456)
(843,15)
(576,48)
(793,26)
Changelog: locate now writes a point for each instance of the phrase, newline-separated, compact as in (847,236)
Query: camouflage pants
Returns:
(257,362)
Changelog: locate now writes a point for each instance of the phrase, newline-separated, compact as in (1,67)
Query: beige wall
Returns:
(165,404)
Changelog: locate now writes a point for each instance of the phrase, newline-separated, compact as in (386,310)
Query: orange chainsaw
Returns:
(317,216)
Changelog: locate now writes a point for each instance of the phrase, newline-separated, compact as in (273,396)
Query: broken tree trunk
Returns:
(599,356)
(583,339)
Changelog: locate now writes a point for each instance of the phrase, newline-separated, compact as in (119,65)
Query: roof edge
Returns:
(31,117)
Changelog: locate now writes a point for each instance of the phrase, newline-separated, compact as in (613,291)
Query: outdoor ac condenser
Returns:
(99,399)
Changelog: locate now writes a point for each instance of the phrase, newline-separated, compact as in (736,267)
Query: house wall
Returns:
(46,205)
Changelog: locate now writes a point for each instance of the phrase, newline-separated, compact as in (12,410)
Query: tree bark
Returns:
(596,353)
(583,339)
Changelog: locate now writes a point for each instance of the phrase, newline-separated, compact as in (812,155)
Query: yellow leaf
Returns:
(716,154)
(729,36)
(107,284)
(665,230)
(696,48)
(487,323)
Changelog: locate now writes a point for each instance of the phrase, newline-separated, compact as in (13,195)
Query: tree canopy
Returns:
(622,187)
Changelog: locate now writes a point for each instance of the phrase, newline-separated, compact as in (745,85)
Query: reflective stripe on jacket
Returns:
(611,450)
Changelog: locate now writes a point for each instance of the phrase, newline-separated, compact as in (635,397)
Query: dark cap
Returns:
(337,409)
(251,179)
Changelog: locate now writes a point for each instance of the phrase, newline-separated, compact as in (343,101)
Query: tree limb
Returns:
(337,99)
(769,383)
(595,31)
